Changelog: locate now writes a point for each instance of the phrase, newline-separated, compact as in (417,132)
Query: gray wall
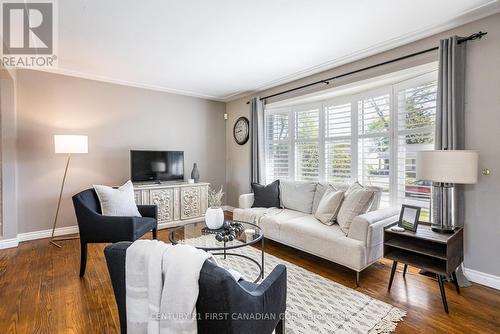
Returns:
(116,119)
(8,223)
(482,97)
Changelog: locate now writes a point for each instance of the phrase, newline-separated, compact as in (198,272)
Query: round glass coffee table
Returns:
(200,236)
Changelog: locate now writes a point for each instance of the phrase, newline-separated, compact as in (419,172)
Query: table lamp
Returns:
(445,168)
(67,144)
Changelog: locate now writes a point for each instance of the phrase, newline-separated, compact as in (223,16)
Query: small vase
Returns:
(195,174)
(214,218)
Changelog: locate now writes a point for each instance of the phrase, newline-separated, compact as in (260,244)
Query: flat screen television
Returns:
(156,166)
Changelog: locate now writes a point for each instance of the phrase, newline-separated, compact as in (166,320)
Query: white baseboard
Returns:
(47,233)
(14,242)
(9,243)
(489,280)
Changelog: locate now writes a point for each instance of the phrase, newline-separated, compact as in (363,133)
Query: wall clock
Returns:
(241,130)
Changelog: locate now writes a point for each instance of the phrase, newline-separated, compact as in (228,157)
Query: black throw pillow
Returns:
(266,196)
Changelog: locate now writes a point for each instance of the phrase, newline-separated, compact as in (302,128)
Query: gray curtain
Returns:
(450,116)
(257,140)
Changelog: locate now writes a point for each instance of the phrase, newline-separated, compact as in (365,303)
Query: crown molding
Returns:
(94,77)
(490,8)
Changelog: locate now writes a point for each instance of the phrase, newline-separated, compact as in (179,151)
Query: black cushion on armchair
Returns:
(96,228)
(222,302)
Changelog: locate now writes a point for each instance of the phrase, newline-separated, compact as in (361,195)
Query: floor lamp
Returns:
(66,144)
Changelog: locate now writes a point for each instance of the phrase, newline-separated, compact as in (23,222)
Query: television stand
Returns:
(178,203)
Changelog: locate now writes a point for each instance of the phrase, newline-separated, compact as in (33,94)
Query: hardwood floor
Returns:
(40,292)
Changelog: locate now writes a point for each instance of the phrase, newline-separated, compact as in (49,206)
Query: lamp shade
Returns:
(70,144)
(448,166)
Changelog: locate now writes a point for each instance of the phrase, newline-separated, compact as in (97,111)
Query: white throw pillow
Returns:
(329,206)
(117,201)
(356,202)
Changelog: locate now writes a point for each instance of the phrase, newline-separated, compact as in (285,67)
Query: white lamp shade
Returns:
(70,144)
(448,166)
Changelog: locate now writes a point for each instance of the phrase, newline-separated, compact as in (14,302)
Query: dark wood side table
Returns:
(437,253)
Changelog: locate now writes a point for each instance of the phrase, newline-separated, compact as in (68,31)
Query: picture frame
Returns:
(408,217)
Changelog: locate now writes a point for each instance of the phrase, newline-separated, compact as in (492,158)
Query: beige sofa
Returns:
(295,225)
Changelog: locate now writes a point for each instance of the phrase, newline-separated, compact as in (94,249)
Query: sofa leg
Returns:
(83,257)
(280,327)
(357,278)
(155,233)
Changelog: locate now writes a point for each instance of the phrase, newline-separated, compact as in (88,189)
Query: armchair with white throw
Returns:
(356,245)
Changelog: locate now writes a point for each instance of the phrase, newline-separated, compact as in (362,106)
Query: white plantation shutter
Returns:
(374,155)
(371,137)
(277,145)
(338,160)
(307,143)
(416,115)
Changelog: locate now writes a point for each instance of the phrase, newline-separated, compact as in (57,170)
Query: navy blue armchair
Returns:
(241,302)
(96,228)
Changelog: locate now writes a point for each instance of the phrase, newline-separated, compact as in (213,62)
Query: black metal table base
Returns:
(259,265)
(440,278)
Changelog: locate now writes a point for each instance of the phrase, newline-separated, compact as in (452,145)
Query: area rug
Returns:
(316,304)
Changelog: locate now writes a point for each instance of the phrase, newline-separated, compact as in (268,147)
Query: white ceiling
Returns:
(220,49)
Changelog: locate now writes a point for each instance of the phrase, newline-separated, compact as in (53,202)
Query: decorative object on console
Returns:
(445,168)
(241,130)
(195,174)
(117,201)
(408,218)
(67,144)
(214,216)
(267,196)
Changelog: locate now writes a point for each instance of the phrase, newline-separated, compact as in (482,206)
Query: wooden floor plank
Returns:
(40,292)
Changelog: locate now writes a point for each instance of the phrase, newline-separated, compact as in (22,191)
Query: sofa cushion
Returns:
(297,195)
(329,242)
(271,222)
(329,206)
(250,215)
(356,202)
(267,196)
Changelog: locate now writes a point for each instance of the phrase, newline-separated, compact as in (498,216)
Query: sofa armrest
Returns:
(245,201)
(369,227)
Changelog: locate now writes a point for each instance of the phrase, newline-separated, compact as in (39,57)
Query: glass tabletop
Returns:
(200,236)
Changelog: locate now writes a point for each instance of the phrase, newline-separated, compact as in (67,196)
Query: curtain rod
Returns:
(477,35)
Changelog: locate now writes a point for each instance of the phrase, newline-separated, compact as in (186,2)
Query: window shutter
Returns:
(374,158)
(416,116)
(277,145)
(307,143)
(338,132)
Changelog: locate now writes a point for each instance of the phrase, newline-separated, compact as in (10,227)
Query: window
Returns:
(372,137)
